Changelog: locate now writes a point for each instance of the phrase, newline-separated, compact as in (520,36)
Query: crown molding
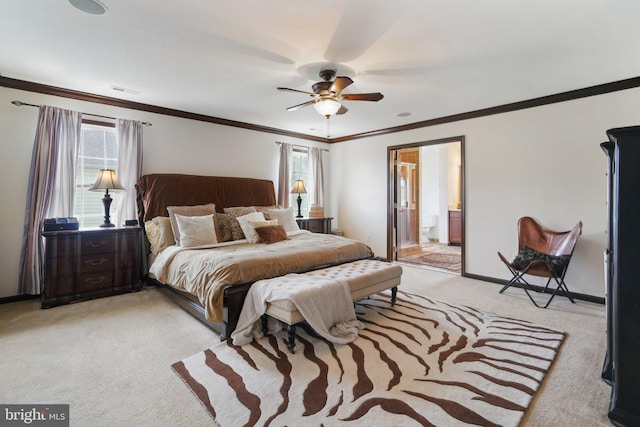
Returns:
(116,102)
(601,89)
(505,108)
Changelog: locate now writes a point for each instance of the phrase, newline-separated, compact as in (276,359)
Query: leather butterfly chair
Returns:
(542,253)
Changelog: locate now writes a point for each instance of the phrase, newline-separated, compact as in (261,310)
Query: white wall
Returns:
(439,170)
(544,162)
(453,174)
(443,217)
(171,145)
(430,189)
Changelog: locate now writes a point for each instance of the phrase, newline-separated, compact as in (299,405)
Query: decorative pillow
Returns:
(165,233)
(153,236)
(196,230)
(285,218)
(265,210)
(272,234)
(235,212)
(246,223)
(224,223)
(258,224)
(196,210)
(526,256)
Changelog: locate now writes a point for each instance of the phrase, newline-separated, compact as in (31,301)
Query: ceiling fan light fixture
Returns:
(327,107)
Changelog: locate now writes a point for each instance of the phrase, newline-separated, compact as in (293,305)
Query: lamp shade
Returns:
(298,187)
(106,181)
(327,107)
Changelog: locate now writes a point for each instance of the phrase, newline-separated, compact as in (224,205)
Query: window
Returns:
(98,150)
(299,168)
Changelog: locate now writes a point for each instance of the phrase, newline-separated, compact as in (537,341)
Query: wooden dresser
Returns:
(87,264)
(315,225)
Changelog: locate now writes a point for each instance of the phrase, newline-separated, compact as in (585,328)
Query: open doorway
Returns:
(426,200)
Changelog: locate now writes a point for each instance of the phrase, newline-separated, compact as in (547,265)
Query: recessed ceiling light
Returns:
(92,7)
(405,114)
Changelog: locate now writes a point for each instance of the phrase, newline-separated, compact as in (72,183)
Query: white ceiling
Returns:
(431,58)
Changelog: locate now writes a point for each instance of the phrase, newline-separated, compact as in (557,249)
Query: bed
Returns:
(211,280)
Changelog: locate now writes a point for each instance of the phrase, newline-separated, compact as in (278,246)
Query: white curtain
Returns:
(51,187)
(129,134)
(284,174)
(316,177)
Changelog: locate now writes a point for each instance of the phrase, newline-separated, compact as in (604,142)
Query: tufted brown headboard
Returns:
(157,191)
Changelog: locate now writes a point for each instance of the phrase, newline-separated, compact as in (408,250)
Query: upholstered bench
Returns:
(365,278)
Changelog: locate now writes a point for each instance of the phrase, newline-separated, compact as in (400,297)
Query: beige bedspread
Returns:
(207,271)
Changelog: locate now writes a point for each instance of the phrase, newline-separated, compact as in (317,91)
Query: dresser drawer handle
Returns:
(96,244)
(95,262)
(95,281)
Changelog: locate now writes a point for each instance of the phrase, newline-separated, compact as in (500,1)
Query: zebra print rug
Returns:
(421,362)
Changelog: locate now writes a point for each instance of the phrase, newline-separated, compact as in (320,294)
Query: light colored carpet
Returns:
(418,362)
(110,358)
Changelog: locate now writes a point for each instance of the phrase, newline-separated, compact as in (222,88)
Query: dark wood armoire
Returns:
(622,273)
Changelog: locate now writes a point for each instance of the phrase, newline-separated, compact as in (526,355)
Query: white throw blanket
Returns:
(324,303)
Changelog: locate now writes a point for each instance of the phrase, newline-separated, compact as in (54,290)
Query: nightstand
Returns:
(85,264)
(315,225)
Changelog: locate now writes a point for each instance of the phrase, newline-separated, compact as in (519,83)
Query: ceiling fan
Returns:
(327,94)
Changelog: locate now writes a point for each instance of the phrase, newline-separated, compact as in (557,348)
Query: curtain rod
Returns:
(20,103)
(301,146)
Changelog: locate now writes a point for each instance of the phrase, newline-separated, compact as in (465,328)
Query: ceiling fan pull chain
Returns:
(328,127)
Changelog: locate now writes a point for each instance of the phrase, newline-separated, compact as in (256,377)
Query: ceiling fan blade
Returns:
(286,89)
(352,37)
(304,104)
(340,83)
(377,96)
(342,110)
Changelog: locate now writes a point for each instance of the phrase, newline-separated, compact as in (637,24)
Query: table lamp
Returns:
(298,187)
(106,181)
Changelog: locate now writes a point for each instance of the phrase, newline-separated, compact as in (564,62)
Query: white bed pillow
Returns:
(285,218)
(246,223)
(195,210)
(265,209)
(196,230)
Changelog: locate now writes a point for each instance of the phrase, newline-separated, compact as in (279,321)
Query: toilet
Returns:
(428,229)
